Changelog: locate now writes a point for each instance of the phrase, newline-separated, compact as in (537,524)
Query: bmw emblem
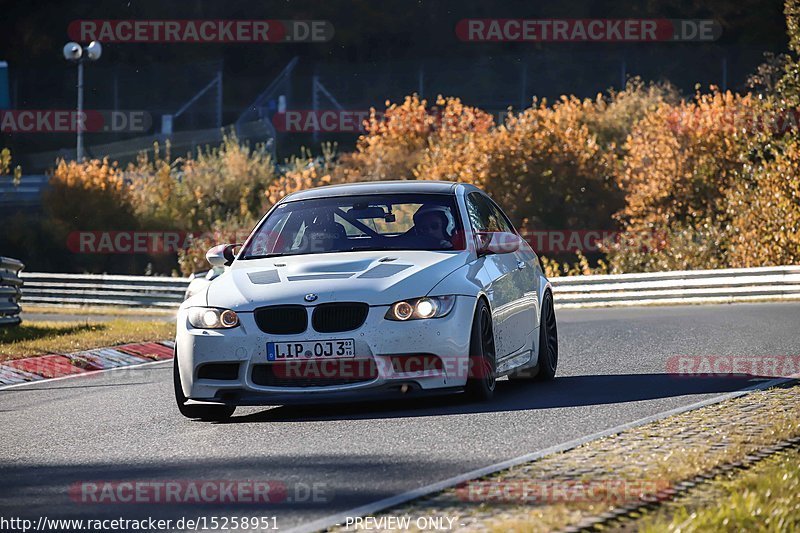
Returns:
(310,297)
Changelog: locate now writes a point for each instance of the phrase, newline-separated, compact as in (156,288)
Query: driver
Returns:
(432,221)
(324,234)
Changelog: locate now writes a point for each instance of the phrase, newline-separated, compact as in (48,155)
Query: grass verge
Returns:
(763,498)
(38,338)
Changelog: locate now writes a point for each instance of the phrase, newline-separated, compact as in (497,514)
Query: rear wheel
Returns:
(548,347)
(481,381)
(206,412)
(548,340)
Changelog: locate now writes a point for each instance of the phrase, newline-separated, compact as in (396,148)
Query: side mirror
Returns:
(497,242)
(221,255)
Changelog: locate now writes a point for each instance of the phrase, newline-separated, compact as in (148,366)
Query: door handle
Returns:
(521,264)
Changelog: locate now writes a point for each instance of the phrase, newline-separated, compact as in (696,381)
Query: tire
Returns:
(548,340)
(482,379)
(205,412)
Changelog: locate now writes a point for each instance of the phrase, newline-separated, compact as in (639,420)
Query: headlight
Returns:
(433,307)
(212,318)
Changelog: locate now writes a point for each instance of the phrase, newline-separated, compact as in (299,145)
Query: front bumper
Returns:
(379,344)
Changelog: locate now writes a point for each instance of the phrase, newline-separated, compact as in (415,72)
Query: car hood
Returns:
(376,278)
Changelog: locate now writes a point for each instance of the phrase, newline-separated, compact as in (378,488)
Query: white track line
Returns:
(393,501)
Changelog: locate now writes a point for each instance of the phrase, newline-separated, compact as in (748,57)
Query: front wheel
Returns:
(482,377)
(205,412)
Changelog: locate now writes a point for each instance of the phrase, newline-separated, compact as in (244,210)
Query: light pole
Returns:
(75,53)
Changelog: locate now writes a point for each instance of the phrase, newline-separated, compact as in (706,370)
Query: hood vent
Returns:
(265,277)
(312,277)
(383,271)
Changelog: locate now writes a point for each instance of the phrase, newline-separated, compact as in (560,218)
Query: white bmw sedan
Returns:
(366,291)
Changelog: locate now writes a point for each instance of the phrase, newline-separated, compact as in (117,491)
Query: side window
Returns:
(480,213)
(484,215)
(502,220)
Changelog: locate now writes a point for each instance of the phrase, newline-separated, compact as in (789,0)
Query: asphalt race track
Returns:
(124,426)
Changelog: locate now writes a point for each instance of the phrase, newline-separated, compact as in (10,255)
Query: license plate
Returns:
(332,349)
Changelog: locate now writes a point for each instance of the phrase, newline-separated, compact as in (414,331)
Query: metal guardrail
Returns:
(686,286)
(691,286)
(104,289)
(10,285)
(28,193)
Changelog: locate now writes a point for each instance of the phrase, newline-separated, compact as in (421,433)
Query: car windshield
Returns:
(353,223)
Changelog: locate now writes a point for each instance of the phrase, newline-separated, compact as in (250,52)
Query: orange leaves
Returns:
(305,172)
(681,158)
(92,182)
(718,175)
(86,196)
(5,167)
(93,174)
(5,161)
(202,189)
(764,212)
(397,140)
(533,159)
(642,157)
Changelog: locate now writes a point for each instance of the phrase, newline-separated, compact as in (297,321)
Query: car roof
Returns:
(377,187)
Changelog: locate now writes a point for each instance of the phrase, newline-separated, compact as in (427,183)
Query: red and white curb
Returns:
(52,366)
